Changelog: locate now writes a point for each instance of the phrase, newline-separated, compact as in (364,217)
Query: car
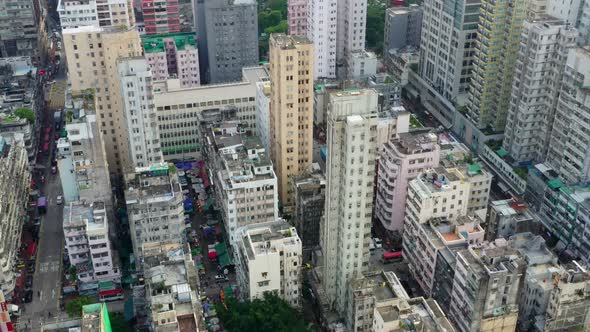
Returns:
(53,170)
(29,296)
(29,282)
(378,243)
(59,45)
(59,200)
(221,278)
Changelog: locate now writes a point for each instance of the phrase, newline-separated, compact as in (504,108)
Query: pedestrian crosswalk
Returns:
(52,266)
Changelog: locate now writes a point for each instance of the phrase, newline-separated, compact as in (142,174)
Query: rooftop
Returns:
(95,318)
(152,184)
(256,236)
(415,142)
(289,42)
(156,43)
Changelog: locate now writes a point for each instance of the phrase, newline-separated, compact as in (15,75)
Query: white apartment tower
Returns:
(352,20)
(569,150)
(97,13)
(321,30)
(447,46)
(346,231)
(140,114)
(269,259)
(544,46)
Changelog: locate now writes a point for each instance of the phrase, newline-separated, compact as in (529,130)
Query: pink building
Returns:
(160,16)
(173,56)
(402,160)
(297,17)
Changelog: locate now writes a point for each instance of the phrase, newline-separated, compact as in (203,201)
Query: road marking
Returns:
(53,293)
(40,295)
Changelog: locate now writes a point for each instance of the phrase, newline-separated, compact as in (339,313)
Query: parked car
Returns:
(54,170)
(59,200)
(221,278)
(378,243)
(29,296)
(29,282)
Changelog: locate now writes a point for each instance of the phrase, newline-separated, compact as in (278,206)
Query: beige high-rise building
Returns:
(92,55)
(291,109)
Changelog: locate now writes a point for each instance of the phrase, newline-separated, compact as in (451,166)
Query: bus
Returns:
(110,295)
(391,257)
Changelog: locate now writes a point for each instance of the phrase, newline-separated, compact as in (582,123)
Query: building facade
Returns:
(230,38)
(155,207)
(291,109)
(15,180)
(96,13)
(544,46)
(403,27)
(321,30)
(569,151)
(92,54)
(346,230)
(352,22)
(263,113)
(86,233)
(140,113)
(310,198)
(297,17)
(486,287)
(269,260)
(245,182)
(160,16)
(497,45)
(400,161)
(181,110)
(18,29)
(173,56)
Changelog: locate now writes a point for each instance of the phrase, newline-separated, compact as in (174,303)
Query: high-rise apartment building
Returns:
(228,38)
(92,54)
(244,180)
(321,30)
(86,233)
(291,109)
(97,13)
(496,53)
(569,150)
(297,17)
(486,288)
(263,113)
(346,230)
(268,259)
(447,46)
(15,179)
(544,46)
(400,161)
(403,27)
(310,199)
(173,56)
(140,113)
(154,204)
(351,21)
(18,29)
(160,16)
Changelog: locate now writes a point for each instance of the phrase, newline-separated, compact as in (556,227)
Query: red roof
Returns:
(110,292)
(212,255)
(389,255)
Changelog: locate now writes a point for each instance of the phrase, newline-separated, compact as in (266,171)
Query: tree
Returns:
(118,323)
(269,314)
(375,26)
(25,113)
(74,307)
